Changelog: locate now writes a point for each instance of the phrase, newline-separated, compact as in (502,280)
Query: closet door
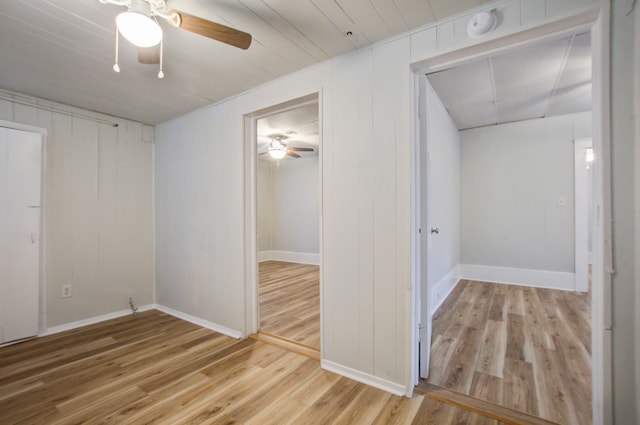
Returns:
(20,180)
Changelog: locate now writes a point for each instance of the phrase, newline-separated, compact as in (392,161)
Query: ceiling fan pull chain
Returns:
(116,67)
(160,73)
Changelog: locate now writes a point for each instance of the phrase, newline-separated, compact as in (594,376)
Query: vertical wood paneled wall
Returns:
(365,100)
(98,220)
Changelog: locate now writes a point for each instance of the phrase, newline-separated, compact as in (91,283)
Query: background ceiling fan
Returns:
(139,25)
(278,150)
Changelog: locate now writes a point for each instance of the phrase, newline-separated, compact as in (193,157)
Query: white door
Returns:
(423,245)
(20,174)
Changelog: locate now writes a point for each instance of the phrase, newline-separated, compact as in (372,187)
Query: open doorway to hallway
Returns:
(510,326)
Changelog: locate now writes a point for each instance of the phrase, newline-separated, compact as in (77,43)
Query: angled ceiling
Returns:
(63,50)
(542,80)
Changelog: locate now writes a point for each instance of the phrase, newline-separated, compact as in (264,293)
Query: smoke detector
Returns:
(482,24)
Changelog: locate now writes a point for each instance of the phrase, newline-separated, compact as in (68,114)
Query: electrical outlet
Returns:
(66,291)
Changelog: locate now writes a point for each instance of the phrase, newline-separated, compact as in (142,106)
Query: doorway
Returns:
(424,226)
(20,215)
(285,142)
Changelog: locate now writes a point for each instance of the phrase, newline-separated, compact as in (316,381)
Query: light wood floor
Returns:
(290,301)
(524,348)
(156,369)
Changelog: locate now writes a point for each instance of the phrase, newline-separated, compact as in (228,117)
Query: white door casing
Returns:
(581,206)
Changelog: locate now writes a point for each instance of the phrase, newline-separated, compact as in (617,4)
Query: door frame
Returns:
(596,21)
(42,310)
(251,324)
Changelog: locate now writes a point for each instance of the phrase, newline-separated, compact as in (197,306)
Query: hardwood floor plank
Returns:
(290,301)
(459,370)
(519,390)
(158,369)
(517,346)
(364,408)
(487,387)
(317,384)
(398,410)
(493,349)
(284,411)
(338,396)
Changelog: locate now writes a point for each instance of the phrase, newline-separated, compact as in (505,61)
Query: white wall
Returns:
(288,209)
(365,113)
(98,220)
(443,168)
(513,179)
(200,215)
(264,194)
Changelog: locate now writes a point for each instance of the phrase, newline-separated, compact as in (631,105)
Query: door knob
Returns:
(435,230)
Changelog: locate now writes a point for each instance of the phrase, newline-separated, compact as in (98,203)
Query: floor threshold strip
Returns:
(287,344)
(472,404)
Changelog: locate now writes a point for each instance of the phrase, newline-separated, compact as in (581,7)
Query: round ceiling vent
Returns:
(481,24)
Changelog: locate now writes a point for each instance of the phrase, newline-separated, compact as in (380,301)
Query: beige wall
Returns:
(98,224)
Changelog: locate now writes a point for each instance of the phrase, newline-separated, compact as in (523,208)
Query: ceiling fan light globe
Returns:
(277,153)
(139,29)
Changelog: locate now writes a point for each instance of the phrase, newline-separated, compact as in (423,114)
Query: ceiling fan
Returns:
(278,150)
(139,25)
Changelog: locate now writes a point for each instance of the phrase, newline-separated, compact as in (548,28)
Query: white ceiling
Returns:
(543,80)
(63,50)
(299,125)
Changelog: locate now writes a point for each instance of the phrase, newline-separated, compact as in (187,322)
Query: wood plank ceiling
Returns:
(63,50)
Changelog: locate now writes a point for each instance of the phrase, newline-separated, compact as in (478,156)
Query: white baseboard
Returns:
(523,277)
(189,318)
(200,322)
(365,378)
(92,320)
(264,256)
(442,289)
(289,257)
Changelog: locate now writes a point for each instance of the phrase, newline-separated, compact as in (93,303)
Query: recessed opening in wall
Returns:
(286,147)
(502,301)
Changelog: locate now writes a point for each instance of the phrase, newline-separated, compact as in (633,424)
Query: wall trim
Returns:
(289,257)
(265,256)
(200,322)
(523,277)
(93,320)
(116,314)
(444,287)
(365,378)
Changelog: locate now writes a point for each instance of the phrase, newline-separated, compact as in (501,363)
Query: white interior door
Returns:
(424,243)
(20,181)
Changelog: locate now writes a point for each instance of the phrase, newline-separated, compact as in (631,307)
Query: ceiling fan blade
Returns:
(302,149)
(292,154)
(149,55)
(213,30)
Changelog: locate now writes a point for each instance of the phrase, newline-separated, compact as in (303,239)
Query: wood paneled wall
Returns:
(98,223)
(365,107)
